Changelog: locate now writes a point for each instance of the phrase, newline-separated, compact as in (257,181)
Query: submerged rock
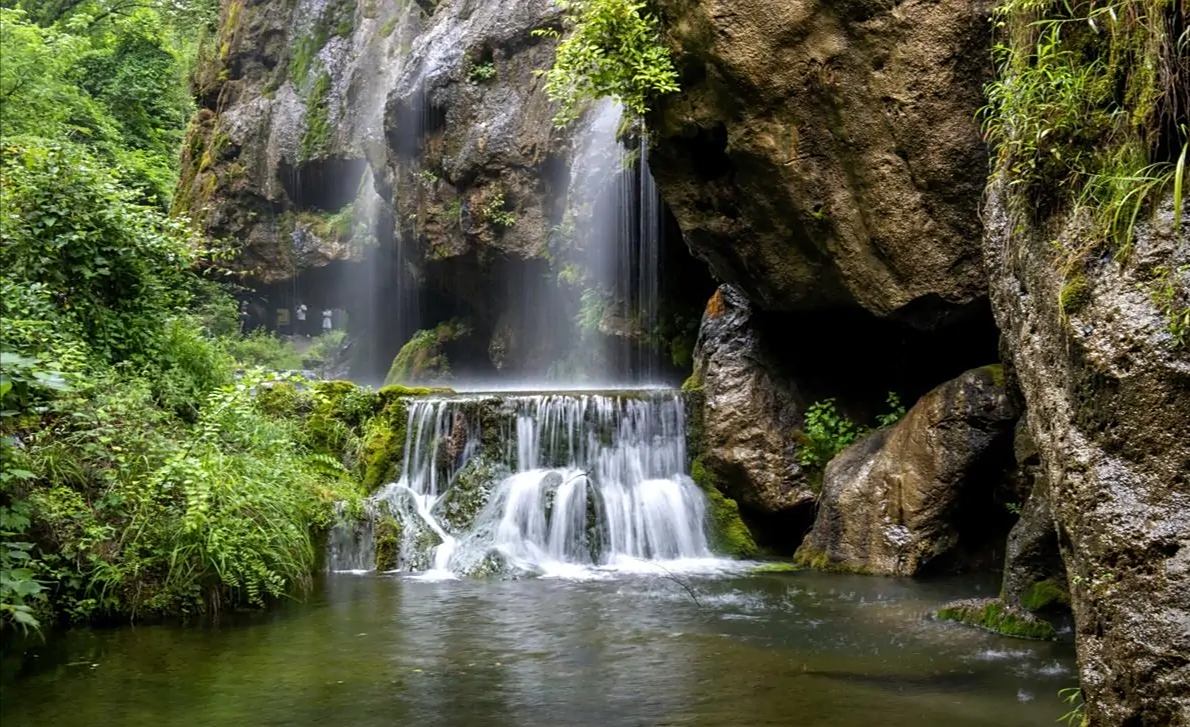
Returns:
(1108,392)
(825,154)
(993,615)
(898,500)
(747,411)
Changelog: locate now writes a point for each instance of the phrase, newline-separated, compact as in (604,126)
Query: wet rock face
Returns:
(898,500)
(826,154)
(749,412)
(1033,569)
(1108,396)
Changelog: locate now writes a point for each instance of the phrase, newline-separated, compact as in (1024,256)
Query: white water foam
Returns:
(597,488)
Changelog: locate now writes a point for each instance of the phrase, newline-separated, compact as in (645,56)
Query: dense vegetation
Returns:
(141,475)
(1088,115)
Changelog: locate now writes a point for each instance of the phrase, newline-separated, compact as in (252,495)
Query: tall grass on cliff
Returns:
(1089,108)
(1090,117)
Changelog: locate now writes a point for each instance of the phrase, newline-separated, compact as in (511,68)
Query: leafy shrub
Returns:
(611,48)
(826,432)
(326,347)
(138,512)
(120,92)
(112,270)
(481,72)
(896,411)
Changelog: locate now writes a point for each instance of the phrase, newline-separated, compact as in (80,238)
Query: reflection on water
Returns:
(792,649)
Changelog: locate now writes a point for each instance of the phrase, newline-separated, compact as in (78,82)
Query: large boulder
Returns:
(1107,387)
(898,500)
(749,412)
(825,154)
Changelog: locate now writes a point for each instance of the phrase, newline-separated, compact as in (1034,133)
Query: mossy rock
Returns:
(387,542)
(1074,295)
(992,614)
(775,567)
(382,445)
(424,356)
(729,535)
(382,441)
(1045,595)
(345,401)
(468,493)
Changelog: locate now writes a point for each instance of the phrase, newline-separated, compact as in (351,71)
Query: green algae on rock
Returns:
(993,615)
(729,535)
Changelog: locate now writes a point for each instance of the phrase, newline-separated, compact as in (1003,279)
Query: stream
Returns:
(609,648)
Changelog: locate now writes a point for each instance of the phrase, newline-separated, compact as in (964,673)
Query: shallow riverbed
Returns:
(616,649)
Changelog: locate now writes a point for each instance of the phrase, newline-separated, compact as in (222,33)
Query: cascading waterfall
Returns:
(555,483)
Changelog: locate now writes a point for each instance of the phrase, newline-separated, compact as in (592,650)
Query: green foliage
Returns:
(263,349)
(318,121)
(1171,293)
(611,48)
(138,474)
(1083,108)
(481,72)
(325,348)
(1076,716)
(495,211)
(141,513)
(87,254)
(117,88)
(896,411)
(825,433)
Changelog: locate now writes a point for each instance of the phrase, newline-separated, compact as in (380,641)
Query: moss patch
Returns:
(993,615)
(388,542)
(423,357)
(318,118)
(1044,595)
(729,535)
(1075,295)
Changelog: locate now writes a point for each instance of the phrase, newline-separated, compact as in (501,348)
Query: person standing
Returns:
(300,313)
(327,324)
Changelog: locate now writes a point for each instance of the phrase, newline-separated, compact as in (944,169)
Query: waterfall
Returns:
(616,213)
(542,484)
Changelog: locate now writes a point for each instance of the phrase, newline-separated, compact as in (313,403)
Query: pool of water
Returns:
(618,649)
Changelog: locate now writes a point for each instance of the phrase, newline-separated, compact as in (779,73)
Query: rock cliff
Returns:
(827,154)
(1108,400)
